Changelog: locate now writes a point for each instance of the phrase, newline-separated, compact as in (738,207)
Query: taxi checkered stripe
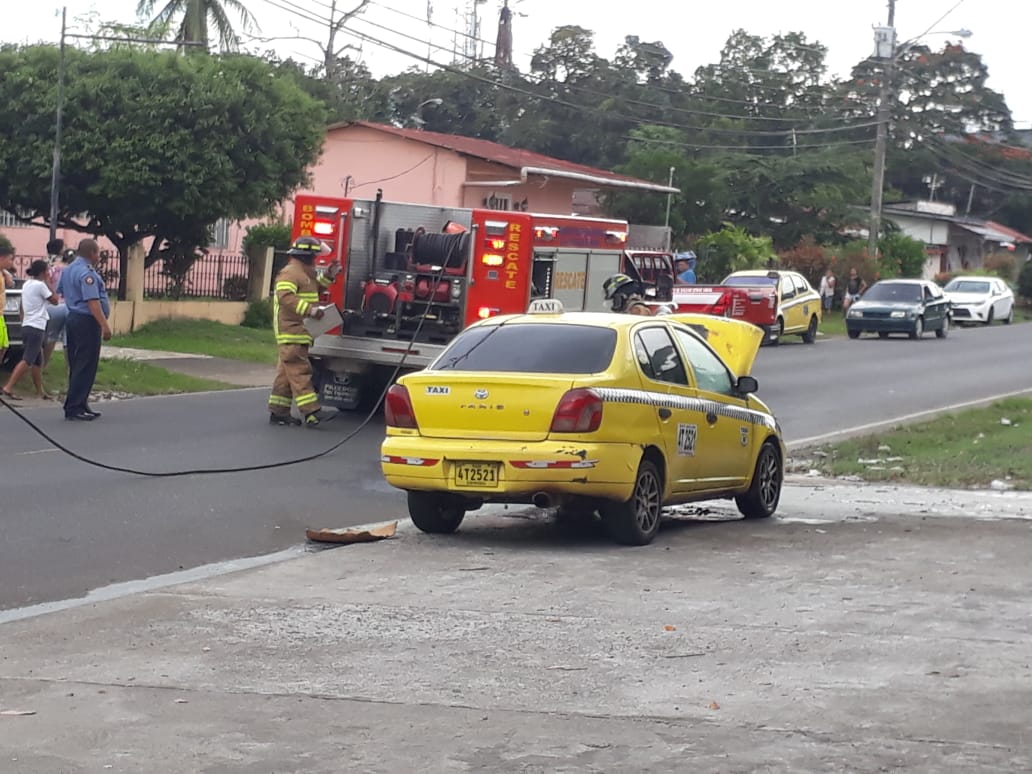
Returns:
(662,400)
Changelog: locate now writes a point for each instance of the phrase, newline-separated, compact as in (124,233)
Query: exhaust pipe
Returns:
(542,500)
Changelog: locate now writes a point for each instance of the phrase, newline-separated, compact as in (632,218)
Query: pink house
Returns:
(410,165)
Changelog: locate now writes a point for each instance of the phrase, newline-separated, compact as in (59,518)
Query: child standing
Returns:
(36,298)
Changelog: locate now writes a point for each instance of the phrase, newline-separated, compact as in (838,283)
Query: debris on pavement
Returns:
(349,535)
(17,713)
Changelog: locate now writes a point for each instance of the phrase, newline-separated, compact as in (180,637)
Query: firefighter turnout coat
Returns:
(297,294)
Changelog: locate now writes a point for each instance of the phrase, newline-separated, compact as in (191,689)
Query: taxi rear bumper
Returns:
(511,471)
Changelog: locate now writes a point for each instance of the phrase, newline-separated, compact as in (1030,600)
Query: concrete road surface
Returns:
(871,629)
(68,528)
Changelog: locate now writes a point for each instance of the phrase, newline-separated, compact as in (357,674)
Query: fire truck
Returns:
(415,275)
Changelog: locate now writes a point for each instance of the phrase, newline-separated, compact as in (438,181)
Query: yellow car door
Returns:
(686,423)
(730,422)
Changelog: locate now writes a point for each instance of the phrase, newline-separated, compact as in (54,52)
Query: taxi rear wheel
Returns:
(811,331)
(434,513)
(636,521)
(764,493)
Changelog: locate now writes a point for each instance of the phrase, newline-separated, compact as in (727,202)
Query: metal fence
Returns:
(216,276)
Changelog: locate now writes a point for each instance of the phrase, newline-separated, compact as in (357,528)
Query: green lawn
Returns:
(203,337)
(125,376)
(968,449)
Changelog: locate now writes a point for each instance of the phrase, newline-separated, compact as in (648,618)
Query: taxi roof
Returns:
(598,319)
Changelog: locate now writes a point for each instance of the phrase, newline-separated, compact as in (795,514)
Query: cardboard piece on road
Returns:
(331,319)
(352,534)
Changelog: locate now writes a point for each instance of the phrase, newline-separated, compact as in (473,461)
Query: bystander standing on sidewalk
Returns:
(6,281)
(59,258)
(827,290)
(36,298)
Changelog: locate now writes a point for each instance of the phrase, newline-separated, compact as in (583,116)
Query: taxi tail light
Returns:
(579,411)
(397,408)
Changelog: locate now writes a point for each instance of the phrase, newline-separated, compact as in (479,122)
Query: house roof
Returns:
(987,229)
(526,162)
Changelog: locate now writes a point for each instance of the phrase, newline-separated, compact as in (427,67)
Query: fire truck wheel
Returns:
(435,513)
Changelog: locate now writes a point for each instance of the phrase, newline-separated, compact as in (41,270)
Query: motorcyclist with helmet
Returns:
(625,295)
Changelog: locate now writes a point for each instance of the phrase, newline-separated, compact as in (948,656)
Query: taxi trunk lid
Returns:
(507,406)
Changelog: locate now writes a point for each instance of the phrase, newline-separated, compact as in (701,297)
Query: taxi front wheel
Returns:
(434,513)
(765,491)
(636,521)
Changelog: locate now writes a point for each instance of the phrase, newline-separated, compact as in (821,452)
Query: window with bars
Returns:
(220,234)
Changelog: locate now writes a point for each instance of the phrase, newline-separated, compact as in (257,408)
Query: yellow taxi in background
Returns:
(612,413)
(799,305)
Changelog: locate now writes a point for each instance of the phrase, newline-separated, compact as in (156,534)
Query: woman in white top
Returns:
(36,298)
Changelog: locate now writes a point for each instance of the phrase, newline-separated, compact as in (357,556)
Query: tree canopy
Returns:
(155,144)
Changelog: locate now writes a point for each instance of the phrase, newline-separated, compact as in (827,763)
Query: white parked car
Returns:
(980,300)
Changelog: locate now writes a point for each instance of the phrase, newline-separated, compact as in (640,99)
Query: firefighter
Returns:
(622,291)
(297,297)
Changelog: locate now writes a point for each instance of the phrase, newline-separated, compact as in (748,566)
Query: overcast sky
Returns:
(695,32)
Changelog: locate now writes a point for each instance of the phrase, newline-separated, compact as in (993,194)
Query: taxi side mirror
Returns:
(746,385)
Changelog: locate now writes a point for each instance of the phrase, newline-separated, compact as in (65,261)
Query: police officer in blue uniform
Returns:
(88,310)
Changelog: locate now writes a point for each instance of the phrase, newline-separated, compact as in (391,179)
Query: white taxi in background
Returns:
(612,413)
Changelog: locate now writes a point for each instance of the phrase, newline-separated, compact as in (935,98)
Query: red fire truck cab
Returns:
(415,275)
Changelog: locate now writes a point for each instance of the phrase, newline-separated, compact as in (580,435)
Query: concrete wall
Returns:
(127,316)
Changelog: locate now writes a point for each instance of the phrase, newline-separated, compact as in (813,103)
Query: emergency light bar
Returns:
(322,228)
(547,233)
(616,236)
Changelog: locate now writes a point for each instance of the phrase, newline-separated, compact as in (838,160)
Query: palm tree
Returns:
(198,15)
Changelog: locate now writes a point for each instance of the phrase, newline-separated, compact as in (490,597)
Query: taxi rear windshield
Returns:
(531,348)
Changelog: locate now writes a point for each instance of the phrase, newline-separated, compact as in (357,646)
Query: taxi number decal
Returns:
(686,436)
(745,435)
(437,390)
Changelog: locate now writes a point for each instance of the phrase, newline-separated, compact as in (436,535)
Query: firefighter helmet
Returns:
(618,283)
(306,249)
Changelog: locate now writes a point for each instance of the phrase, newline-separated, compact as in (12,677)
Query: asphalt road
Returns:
(67,528)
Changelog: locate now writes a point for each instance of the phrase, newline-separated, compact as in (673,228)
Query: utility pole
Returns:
(669,197)
(882,137)
(55,172)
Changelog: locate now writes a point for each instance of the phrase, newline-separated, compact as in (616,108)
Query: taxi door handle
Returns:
(711,418)
(664,413)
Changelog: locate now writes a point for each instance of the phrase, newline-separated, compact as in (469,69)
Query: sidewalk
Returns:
(239,373)
(869,628)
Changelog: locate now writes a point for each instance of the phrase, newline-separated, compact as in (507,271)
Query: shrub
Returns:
(275,235)
(234,288)
(943,278)
(808,258)
(1004,265)
(258,314)
(854,255)
(731,249)
(1025,281)
(901,256)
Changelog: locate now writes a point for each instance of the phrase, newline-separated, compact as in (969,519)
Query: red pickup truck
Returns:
(756,304)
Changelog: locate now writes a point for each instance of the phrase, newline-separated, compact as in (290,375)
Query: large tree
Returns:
(155,144)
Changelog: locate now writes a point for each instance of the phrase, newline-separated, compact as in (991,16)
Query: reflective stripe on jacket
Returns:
(296,292)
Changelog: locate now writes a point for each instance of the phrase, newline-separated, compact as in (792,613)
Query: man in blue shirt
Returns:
(88,310)
(684,264)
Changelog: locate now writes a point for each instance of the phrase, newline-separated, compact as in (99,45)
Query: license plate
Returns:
(340,389)
(480,475)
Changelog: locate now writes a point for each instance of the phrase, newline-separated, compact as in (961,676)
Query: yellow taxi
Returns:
(589,412)
(799,305)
